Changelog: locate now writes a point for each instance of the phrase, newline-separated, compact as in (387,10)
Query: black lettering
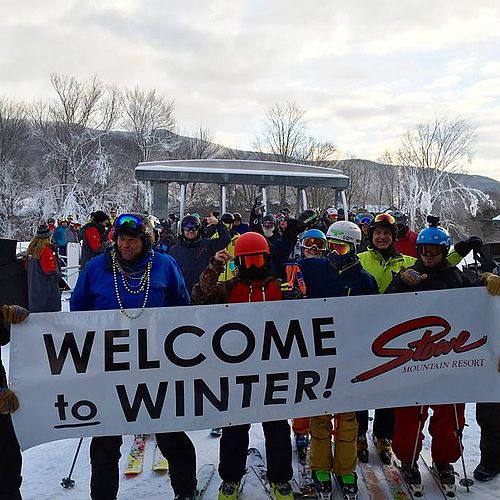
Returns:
(75,410)
(61,404)
(319,336)
(144,362)
(201,390)
(224,356)
(306,380)
(179,398)
(169,346)
(247,381)
(294,333)
(271,388)
(142,395)
(110,348)
(80,361)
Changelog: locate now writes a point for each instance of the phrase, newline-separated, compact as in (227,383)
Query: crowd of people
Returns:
(222,259)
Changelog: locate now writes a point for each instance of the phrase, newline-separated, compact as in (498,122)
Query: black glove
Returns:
(466,246)
(293,228)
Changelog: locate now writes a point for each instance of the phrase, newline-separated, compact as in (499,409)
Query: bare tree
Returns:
(429,157)
(149,117)
(73,129)
(361,181)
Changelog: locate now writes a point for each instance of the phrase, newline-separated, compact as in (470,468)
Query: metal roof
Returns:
(248,172)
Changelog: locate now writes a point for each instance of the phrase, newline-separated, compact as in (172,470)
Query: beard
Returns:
(268,232)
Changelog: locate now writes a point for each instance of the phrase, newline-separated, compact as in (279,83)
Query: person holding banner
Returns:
(338,274)
(132,275)
(253,283)
(431,271)
(10,452)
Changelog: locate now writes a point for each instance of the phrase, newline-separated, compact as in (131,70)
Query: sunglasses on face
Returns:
(429,250)
(339,247)
(314,243)
(128,220)
(385,217)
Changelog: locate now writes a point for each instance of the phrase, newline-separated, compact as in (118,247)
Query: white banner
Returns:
(197,367)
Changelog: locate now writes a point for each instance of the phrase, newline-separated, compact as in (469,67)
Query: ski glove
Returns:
(466,246)
(8,401)
(411,277)
(492,282)
(14,314)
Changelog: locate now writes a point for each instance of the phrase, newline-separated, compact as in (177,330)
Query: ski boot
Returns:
(302,444)
(216,432)
(411,476)
(348,484)
(446,475)
(228,490)
(281,491)
(322,482)
(185,497)
(485,472)
(384,450)
(362,445)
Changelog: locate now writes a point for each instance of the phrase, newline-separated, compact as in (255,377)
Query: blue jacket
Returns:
(95,289)
(59,237)
(323,279)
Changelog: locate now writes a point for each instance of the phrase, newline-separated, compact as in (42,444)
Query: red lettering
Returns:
(428,346)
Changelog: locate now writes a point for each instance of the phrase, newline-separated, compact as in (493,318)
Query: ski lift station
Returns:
(241,172)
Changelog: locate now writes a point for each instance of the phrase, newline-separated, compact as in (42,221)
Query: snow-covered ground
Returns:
(45,465)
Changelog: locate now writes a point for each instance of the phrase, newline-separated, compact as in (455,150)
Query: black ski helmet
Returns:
(383,220)
(227,218)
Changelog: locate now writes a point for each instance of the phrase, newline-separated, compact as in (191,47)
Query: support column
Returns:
(160,199)
(264,197)
(304,199)
(297,203)
(182,202)
(344,203)
(223,199)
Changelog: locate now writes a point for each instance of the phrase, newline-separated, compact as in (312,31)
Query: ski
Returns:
(447,491)
(255,464)
(135,459)
(371,479)
(160,463)
(204,475)
(303,484)
(399,488)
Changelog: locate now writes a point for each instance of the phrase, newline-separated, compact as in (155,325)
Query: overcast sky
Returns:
(364,70)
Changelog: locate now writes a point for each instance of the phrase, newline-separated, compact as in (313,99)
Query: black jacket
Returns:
(442,277)
(194,255)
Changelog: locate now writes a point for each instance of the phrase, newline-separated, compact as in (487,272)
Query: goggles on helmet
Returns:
(385,217)
(364,220)
(311,243)
(129,221)
(339,247)
(257,260)
(430,250)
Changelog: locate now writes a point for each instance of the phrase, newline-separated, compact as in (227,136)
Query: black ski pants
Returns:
(383,423)
(234,446)
(105,454)
(10,461)
(488,418)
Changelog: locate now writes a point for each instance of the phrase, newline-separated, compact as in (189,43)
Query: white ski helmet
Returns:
(344,230)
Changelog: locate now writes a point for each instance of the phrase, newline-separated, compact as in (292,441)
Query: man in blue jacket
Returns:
(130,274)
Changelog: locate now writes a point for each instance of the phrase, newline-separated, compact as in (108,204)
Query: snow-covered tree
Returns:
(426,164)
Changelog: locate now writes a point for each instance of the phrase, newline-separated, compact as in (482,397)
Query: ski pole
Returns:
(476,266)
(465,481)
(67,482)
(417,437)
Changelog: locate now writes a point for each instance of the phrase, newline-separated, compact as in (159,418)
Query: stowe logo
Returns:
(430,345)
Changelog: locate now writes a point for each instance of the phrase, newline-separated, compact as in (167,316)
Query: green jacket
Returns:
(382,270)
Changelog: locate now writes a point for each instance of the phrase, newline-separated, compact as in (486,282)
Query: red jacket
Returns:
(407,244)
